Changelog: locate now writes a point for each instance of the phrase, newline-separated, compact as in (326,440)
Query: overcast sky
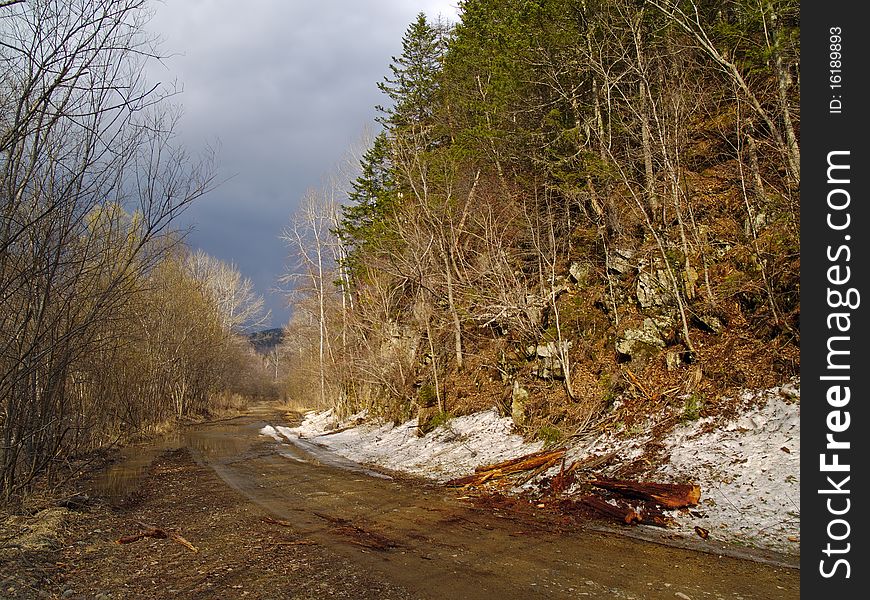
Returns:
(282,88)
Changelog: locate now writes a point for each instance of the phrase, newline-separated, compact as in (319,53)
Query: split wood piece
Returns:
(618,513)
(563,480)
(537,458)
(151,533)
(539,471)
(669,495)
(653,516)
(157,533)
(528,462)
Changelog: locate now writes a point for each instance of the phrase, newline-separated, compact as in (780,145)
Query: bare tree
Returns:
(781,126)
(240,308)
(315,251)
(80,131)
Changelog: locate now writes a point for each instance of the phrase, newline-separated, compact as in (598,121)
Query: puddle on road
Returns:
(209,443)
(122,478)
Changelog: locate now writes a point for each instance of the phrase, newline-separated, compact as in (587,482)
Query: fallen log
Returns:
(476,479)
(180,540)
(591,505)
(653,516)
(539,471)
(483,474)
(668,495)
(157,533)
(523,463)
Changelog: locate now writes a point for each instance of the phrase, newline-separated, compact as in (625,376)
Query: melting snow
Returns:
(748,467)
(449,451)
(749,472)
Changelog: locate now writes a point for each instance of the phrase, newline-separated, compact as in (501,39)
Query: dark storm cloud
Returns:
(282,88)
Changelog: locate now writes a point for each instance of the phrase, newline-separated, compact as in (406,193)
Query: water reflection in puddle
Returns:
(122,478)
(217,445)
(208,444)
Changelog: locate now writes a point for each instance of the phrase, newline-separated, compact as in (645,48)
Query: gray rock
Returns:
(710,322)
(551,349)
(654,289)
(549,362)
(399,343)
(756,224)
(519,398)
(640,344)
(673,360)
(620,261)
(578,272)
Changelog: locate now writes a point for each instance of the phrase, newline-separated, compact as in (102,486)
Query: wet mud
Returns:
(433,542)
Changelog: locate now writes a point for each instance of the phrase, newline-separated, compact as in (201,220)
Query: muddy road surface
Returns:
(273,520)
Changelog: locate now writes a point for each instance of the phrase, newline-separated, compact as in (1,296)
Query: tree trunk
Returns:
(454,315)
(782,79)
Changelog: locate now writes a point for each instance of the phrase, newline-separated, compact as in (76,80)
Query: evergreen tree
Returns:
(414,86)
(371,198)
(414,92)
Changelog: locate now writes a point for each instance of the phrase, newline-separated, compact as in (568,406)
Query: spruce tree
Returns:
(414,86)
(371,198)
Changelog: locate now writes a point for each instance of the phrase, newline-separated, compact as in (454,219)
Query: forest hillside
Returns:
(568,201)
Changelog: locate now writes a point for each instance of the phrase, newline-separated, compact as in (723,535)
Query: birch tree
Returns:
(315,253)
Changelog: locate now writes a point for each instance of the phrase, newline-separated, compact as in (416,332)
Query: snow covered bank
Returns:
(450,451)
(748,467)
(749,471)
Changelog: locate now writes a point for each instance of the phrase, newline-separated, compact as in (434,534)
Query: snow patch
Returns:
(451,450)
(748,470)
(270,431)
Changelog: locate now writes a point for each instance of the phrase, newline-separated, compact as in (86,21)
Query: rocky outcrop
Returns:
(620,261)
(579,271)
(549,365)
(640,343)
(654,289)
(519,399)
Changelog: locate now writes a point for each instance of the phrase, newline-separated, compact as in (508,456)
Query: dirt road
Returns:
(272,521)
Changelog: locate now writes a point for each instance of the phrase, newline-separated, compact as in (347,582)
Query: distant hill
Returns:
(266,340)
